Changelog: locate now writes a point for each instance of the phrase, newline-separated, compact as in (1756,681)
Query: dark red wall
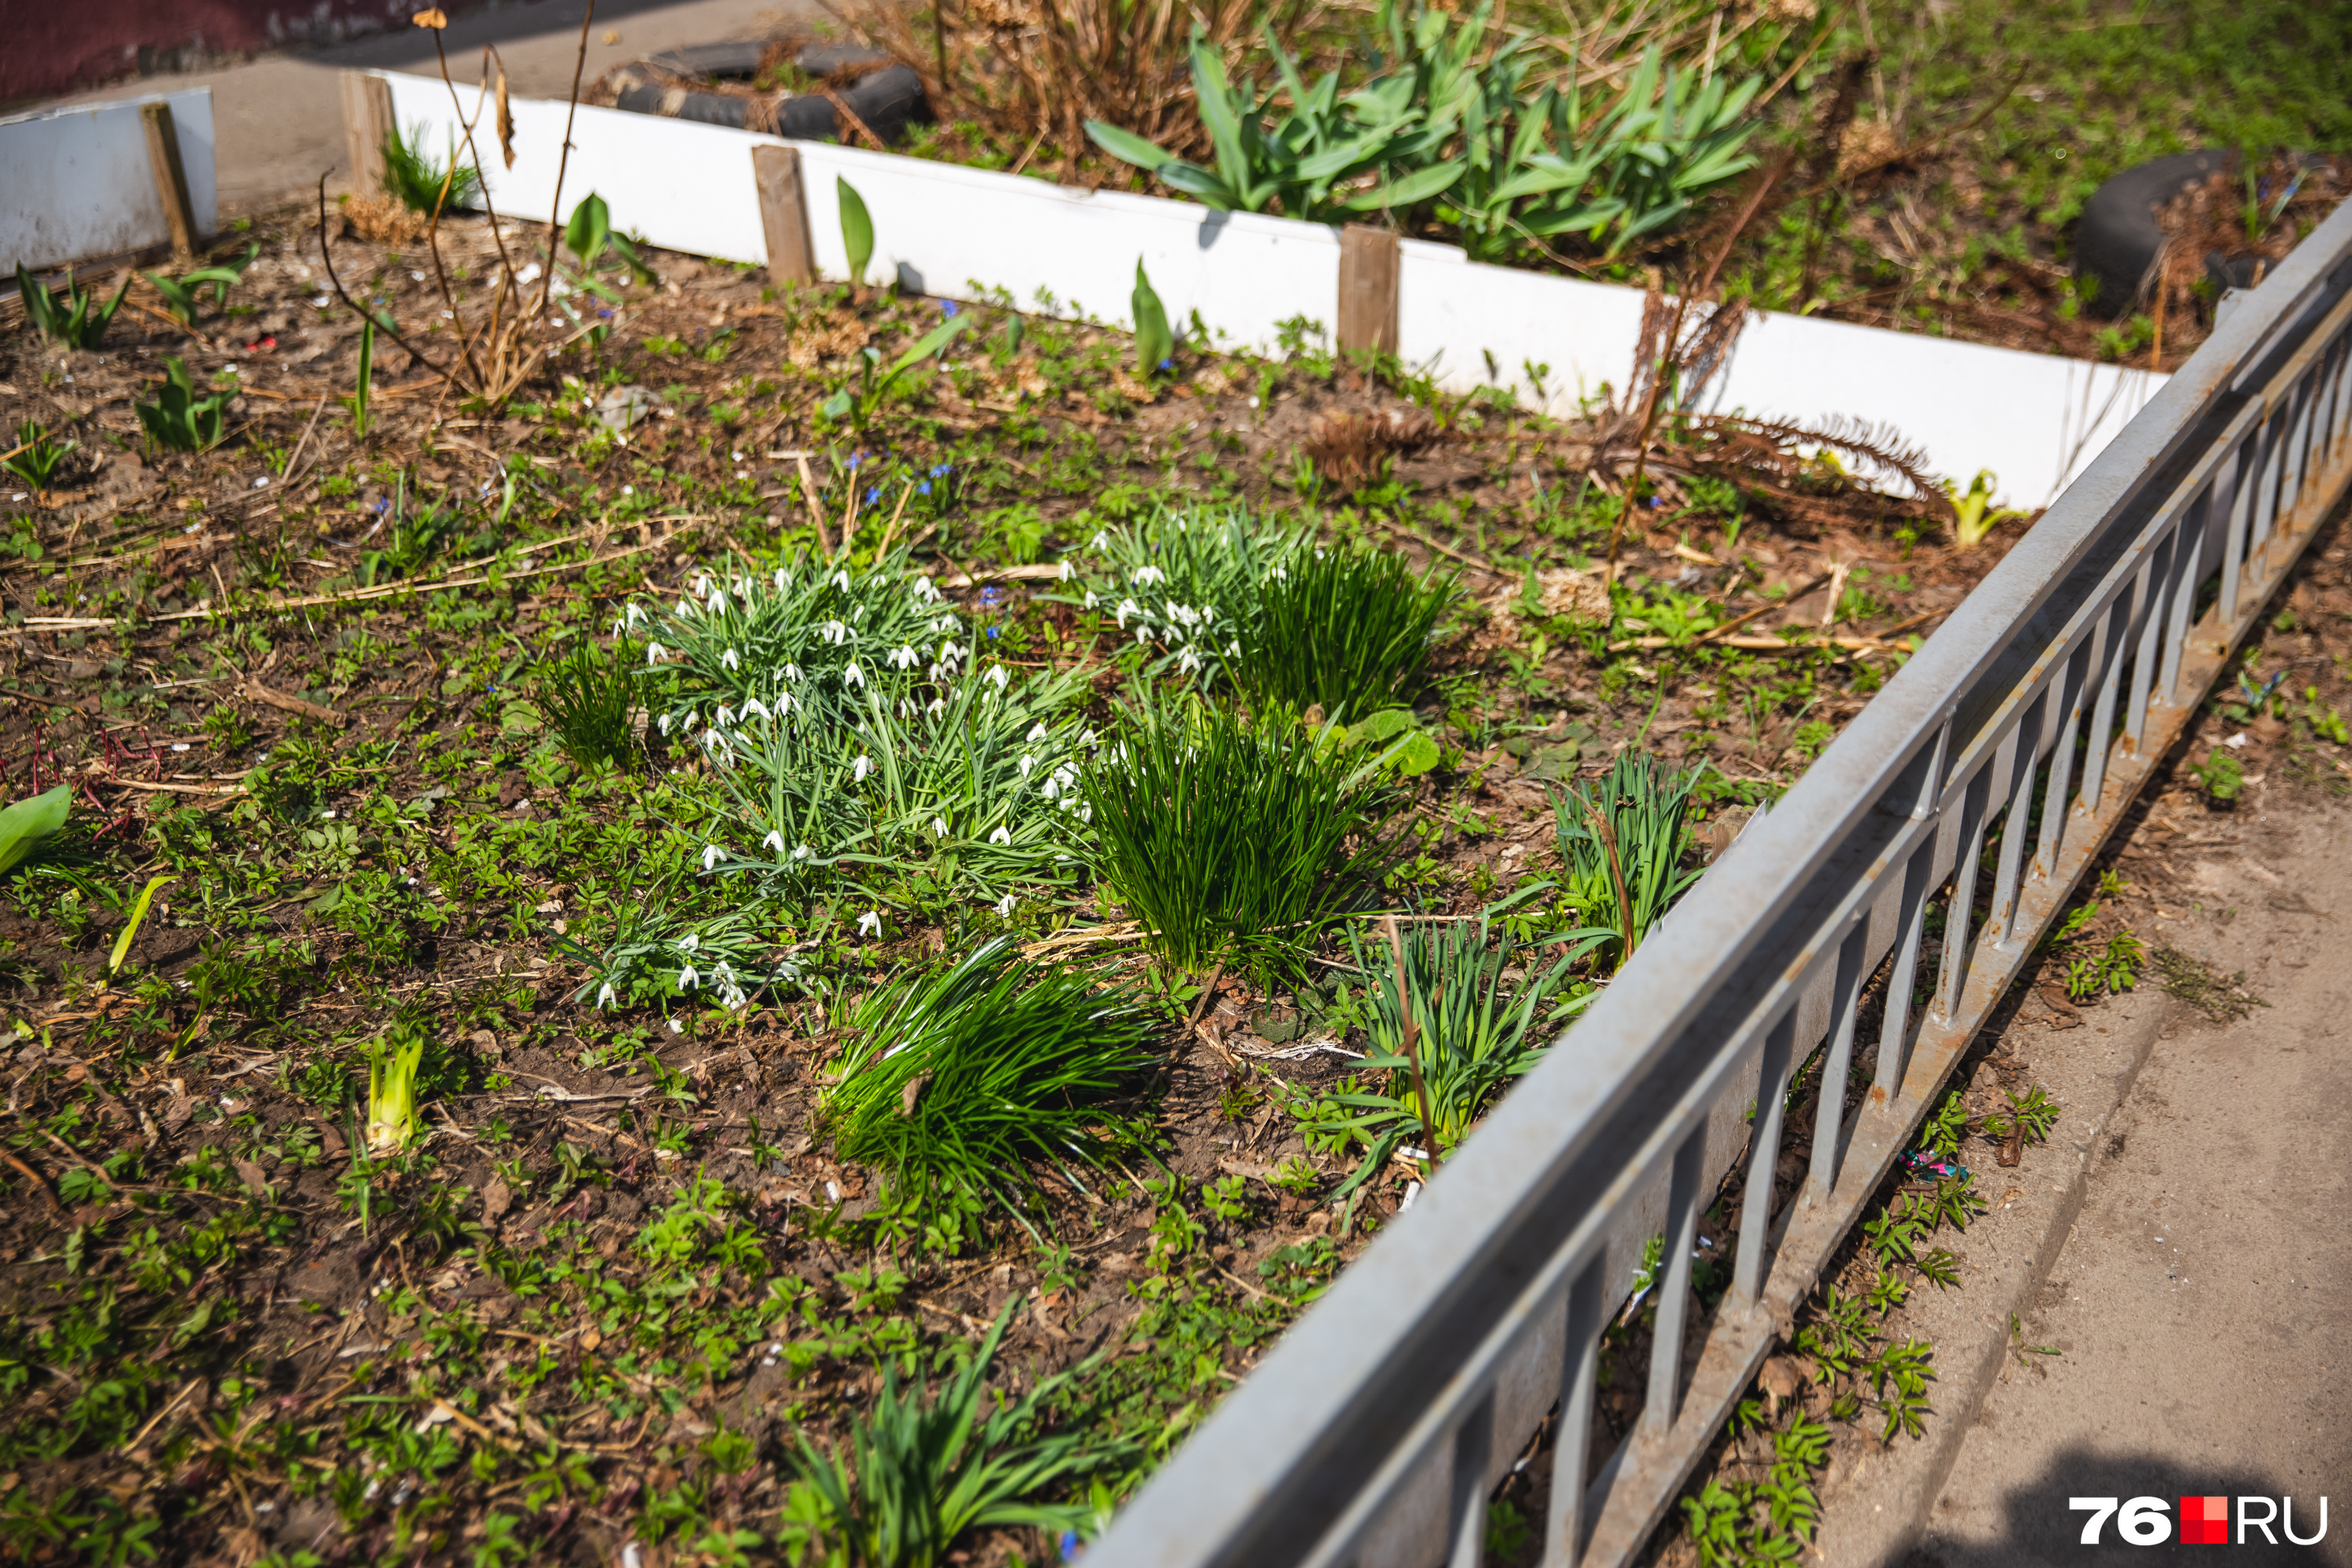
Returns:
(59,45)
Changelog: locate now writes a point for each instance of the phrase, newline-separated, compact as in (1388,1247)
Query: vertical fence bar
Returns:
(1673,1289)
(2298,443)
(2251,455)
(1580,1367)
(2149,656)
(2125,615)
(2061,788)
(1951,972)
(1910,925)
(1473,1444)
(2019,754)
(2264,516)
(1828,1121)
(1764,1156)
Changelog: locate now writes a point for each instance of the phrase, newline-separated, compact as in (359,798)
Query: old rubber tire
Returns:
(2117,240)
(886,99)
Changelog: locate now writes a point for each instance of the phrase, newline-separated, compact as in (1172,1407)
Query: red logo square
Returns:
(2205,1521)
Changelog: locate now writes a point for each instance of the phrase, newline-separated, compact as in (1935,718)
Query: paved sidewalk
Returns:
(2202,1306)
(278,119)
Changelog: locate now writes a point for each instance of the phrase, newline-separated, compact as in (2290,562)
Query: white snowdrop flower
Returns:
(1090,738)
(1092,599)
(688,978)
(663,723)
(932,672)
(1187,661)
(605,997)
(852,675)
(1037,734)
(792,672)
(923,591)
(756,706)
(655,653)
(996,674)
(726,715)
(782,582)
(1005,906)
(841,580)
(728,660)
(1050,788)
(949,650)
(1101,541)
(870,921)
(835,632)
(689,942)
(939,705)
(1127,607)
(718,599)
(803,853)
(905,656)
(634,612)
(1086,815)
(784,703)
(1148,576)
(1002,835)
(1143,631)
(1067,572)
(939,827)
(711,856)
(1280,573)
(860,768)
(676,1027)
(1027,762)
(775,840)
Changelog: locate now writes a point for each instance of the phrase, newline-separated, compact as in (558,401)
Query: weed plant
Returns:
(1235,842)
(659,956)
(958,1078)
(1344,629)
(1476,1033)
(38,456)
(1621,842)
(916,1474)
(180,420)
(419,183)
(72,316)
(590,698)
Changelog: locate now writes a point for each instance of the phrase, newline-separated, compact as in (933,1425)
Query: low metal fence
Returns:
(1375,1431)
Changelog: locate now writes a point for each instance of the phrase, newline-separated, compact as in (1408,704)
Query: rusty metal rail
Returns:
(1373,1434)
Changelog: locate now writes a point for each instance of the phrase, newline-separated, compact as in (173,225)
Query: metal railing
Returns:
(1374,1432)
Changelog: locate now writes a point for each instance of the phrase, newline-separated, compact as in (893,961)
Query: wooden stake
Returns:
(784,213)
(1369,261)
(367,124)
(171,178)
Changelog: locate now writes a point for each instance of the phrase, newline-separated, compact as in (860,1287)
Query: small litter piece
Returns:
(625,406)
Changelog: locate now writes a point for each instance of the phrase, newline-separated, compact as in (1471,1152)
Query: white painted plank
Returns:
(76,183)
(946,230)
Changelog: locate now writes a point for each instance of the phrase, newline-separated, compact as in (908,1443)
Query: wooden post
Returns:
(1368,288)
(784,213)
(171,177)
(367,122)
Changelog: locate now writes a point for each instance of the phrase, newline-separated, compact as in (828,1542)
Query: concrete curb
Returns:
(1876,1511)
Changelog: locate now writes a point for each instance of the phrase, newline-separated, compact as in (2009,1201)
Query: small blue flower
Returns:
(943,468)
(924,489)
(992,633)
(949,308)
(1069,1546)
(1167,364)
(607,314)
(872,494)
(856,458)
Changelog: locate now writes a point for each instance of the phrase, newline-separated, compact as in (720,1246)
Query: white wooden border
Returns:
(76,183)
(944,229)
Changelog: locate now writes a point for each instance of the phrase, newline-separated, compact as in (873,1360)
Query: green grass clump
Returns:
(914,1475)
(590,698)
(1621,840)
(1191,581)
(417,181)
(1346,629)
(959,1077)
(1474,1033)
(1232,841)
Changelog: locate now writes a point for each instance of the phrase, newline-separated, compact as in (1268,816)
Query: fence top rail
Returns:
(1282,1462)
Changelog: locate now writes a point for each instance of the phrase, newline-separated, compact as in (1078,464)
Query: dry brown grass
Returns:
(1351,450)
